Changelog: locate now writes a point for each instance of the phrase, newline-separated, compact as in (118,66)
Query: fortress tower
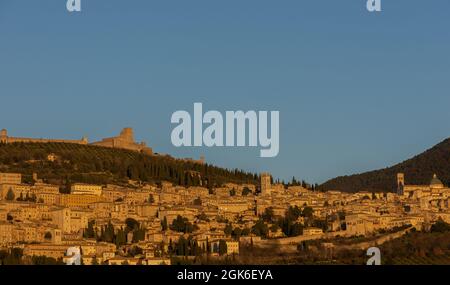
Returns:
(125,140)
(127,135)
(3,136)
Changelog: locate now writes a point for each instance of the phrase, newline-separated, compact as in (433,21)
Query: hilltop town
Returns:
(162,212)
(152,224)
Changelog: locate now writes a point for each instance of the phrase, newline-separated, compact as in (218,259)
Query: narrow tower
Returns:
(265,184)
(400,183)
(3,136)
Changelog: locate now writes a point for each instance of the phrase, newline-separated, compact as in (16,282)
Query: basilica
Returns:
(436,188)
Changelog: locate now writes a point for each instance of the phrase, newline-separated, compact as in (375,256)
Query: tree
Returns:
(33,198)
(183,225)
(268,215)
(89,232)
(293,181)
(274,228)
(203,217)
(164,224)
(296,230)
(13,257)
(321,224)
(135,250)
(293,213)
(307,212)
(289,225)
(48,236)
(108,233)
(246,191)
(138,235)
(237,233)
(10,195)
(228,230)
(260,228)
(182,246)
(81,163)
(121,238)
(198,201)
(440,227)
(45,260)
(223,248)
(245,232)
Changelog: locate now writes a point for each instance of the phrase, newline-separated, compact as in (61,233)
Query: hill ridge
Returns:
(418,169)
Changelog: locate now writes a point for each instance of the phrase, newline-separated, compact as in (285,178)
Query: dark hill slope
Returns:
(417,170)
(94,164)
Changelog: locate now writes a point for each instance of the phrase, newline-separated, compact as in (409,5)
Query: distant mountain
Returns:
(417,170)
(65,163)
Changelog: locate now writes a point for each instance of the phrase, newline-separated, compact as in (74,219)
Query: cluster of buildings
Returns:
(415,205)
(43,221)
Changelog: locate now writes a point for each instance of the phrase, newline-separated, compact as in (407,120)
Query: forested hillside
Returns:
(93,164)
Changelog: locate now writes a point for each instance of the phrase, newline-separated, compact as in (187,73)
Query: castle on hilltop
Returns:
(124,141)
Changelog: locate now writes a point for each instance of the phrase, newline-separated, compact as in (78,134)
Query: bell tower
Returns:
(400,183)
(265,183)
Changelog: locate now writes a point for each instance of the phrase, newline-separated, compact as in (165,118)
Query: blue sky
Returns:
(356,91)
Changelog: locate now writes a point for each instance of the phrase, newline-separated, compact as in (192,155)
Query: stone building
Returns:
(125,141)
(10,178)
(435,187)
(86,189)
(78,200)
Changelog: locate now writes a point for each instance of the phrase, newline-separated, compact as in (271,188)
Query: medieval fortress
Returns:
(124,141)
